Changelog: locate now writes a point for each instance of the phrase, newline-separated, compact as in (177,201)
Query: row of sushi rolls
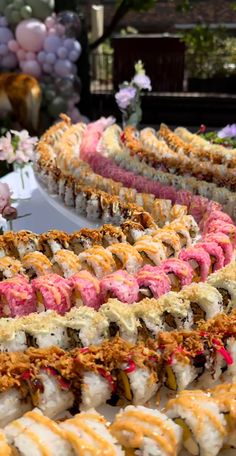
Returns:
(136,317)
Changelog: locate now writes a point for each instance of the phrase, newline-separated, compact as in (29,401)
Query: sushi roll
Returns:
(204,426)
(10,267)
(170,240)
(178,211)
(149,317)
(22,242)
(132,231)
(98,261)
(85,290)
(121,320)
(152,282)
(12,336)
(85,327)
(205,301)
(13,404)
(176,312)
(49,391)
(5,449)
(36,264)
(44,330)
(216,254)
(147,432)
(111,235)
(52,241)
(219,226)
(84,239)
(53,293)
(179,272)
(126,257)
(37,434)
(152,251)
(224,242)
(160,211)
(17,297)
(66,263)
(225,397)
(199,260)
(225,282)
(4,249)
(214,215)
(189,223)
(88,433)
(119,285)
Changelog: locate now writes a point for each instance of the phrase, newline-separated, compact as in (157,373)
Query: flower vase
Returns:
(23,186)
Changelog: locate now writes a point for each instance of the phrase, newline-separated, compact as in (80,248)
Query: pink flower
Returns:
(6,148)
(24,146)
(5,196)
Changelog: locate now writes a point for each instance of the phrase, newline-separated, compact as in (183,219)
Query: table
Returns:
(43,215)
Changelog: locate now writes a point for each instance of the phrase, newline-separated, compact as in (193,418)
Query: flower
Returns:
(125,96)
(227,132)
(9,213)
(5,196)
(142,81)
(6,148)
(24,146)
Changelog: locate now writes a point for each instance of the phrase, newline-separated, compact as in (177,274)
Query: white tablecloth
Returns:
(43,216)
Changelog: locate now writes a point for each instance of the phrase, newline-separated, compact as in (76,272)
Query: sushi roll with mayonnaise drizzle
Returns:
(85,327)
(13,404)
(205,300)
(98,261)
(36,264)
(17,297)
(85,290)
(53,292)
(152,251)
(121,320)
(146,432)
(126,257)
(225,282)
(204,426)
(179,272)
(170,239)
(65,263)
(199,260)
(153,282)
(225,397)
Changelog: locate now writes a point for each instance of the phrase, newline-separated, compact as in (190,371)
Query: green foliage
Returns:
(213,138)
(206,51)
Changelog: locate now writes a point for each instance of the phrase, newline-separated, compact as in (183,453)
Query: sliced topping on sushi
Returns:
(179,272)
(53,292)
(152,252)
(17,297)
(224,242)
(119,285)
(98,261)
(219,226)
(36,264)
(85,290)
(199,260)
(153,282)
(66,263)
(126,257)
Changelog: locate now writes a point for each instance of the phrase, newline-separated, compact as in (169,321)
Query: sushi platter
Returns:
(120,338)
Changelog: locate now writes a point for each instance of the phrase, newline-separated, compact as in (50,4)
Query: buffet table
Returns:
(43,215)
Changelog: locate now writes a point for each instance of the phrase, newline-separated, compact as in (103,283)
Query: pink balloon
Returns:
(30,56)
(13,46)
(31,67)
(63,68)
(52,43)
(50,22)
(9,61)
(5,35)
(31,34)
(21,54)
(52,32)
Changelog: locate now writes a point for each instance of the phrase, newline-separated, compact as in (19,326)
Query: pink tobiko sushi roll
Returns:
(216,254)
(179,272)
(214,215)
(16,297)
(199,260)
(219,226)
(153,282)
(85,290)
(224,242)
(119,285)
(53,292)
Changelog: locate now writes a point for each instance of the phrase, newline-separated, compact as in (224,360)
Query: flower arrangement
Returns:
(128,98)
(225,137)
(7,211)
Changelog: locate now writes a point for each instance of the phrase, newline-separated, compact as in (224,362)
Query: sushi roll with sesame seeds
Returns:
(146,432)
(196,411)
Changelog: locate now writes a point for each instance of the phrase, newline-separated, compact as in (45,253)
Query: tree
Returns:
(124,6)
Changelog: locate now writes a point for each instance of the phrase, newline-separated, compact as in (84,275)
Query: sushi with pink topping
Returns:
(17,297)
(85,290)
(219,226)
(53,292)
(179,272)
(152,282)
(119,285)
(216,254)
(214,215)
(224,242)
(199,260)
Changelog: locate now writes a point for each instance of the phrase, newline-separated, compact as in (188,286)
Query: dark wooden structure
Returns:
(163,57)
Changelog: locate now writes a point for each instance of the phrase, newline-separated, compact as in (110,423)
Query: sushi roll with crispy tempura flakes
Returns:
(146,432)
(12,336)
(85,327)
(121,320)
(205,300)
(204,426)
(10,267)
(225,282)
